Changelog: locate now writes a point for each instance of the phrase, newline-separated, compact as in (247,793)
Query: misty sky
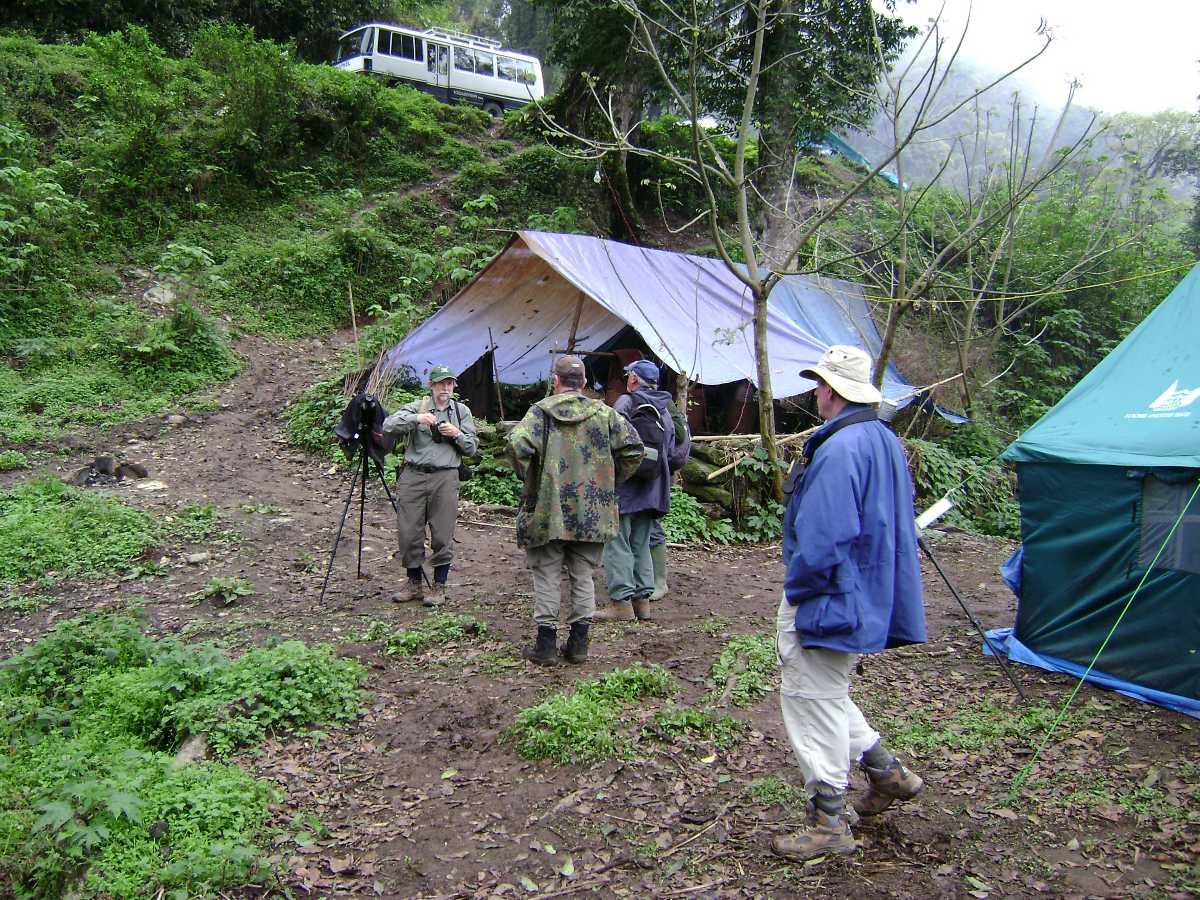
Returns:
(1129,57)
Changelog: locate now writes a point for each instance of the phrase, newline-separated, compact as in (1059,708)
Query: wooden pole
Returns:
(575,323)
(496,377)
(779,443)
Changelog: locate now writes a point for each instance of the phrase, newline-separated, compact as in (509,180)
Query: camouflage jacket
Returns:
(571,494)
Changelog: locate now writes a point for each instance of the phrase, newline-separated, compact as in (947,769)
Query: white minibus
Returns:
(452,66)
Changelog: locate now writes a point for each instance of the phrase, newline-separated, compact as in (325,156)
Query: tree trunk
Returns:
(766,397)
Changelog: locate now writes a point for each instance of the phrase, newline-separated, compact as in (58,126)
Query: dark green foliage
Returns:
(659,184)
(585,726)
(312,24)
(271,690)
(689,523)
(986,504)
(679,724)
(751,663)
(56,668)
(492,482)
(50,528)
(438,630)
(91,802)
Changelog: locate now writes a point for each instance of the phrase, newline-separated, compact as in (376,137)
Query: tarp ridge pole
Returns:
(575,323)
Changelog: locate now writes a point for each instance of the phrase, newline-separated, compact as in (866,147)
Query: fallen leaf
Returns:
(449,773)
(338,865)
(1004,813)
(529,884)
(1073,845)
(567,869)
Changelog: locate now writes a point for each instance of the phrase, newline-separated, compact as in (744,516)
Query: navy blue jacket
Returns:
(850,544)
(652,495)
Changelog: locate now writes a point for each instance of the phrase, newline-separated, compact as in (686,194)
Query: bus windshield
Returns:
(355,43)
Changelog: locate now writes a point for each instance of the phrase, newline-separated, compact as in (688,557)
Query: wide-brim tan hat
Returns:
(848,371)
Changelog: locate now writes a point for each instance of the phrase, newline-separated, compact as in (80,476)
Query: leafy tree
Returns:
(312,25)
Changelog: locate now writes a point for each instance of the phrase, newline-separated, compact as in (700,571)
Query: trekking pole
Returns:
(992,647)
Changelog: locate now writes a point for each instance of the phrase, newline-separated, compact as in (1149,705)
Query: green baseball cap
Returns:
(441,373)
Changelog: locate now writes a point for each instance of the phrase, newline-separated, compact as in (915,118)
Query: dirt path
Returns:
(424,797)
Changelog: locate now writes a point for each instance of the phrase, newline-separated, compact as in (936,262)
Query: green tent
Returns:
(1102,478)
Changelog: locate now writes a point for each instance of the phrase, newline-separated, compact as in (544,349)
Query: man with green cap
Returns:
(440,432)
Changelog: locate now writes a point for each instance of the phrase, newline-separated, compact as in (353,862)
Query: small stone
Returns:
(194,559)
(176,419)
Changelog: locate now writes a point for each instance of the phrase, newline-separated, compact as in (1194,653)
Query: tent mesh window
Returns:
(1162,502)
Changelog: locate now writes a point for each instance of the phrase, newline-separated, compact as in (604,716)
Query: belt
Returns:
(428,470)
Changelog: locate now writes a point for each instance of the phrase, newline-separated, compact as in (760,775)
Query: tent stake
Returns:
(995,650)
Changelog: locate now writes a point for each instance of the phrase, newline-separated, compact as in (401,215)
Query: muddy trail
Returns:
(425,795)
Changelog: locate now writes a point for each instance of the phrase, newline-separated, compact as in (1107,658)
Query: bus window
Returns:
(354,44)
(525,73)
(409,47)
(384,44)
(485,63)
(506,68)
(464,59)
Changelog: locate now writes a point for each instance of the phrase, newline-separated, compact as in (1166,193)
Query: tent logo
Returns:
(1173,398)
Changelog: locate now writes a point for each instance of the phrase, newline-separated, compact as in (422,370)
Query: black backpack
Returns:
(647,421)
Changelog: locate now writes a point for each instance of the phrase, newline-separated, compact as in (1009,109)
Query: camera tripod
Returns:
(359,477)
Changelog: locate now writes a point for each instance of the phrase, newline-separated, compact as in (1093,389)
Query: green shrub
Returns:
(687,522)
(48,527)
(10,460)
(492,482)
(985,504)
(680,723)
(195,522)
(585,726)
(272,689)
(56,668)
(437,630)
(751,661)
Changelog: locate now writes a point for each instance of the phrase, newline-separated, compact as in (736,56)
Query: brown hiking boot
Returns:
(887,786)
(411,594)
(849,814)
(617,611)
(641,608)
(825,835)
(436,595)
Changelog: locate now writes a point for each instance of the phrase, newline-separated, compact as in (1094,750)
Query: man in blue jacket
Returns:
(642,499)
(853,585)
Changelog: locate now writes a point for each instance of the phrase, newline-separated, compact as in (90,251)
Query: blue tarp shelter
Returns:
(691,311)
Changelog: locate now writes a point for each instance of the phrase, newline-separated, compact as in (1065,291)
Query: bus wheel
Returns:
(493,110)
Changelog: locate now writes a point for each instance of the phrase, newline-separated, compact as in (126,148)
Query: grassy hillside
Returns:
(152,208)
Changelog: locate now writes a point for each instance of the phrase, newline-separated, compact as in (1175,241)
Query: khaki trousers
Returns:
(826,729)
(546,564)
(426,499)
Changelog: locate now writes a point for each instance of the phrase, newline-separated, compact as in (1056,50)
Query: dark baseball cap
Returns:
(568,365)
(645,370)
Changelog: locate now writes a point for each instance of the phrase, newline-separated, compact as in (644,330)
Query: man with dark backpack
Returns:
(643,499)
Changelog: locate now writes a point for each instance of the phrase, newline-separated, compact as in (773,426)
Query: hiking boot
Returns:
(436,595)
(617,611)
(575,650)
(659,555)
(886,786)
(543,652)
(641,608)
(848,813)
(412,593)
(824,835)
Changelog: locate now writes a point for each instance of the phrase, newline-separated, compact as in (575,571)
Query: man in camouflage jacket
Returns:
(571,452)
